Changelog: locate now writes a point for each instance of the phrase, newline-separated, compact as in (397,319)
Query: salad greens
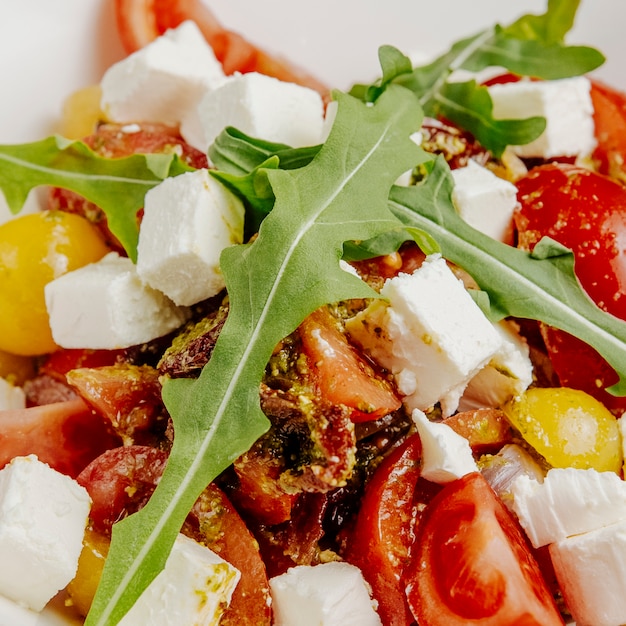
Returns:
(532,46)
(312,207)
(117,186)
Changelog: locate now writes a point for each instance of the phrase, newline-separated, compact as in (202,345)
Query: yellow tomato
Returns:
(34,250)
(82,112)
(90,563)
(569,428)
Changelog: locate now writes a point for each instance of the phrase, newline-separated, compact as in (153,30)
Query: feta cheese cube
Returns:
(566,104)
(188,220)
(195,587)
(13,614)
(508,373)
(163,81)
(446,455)
(330,594)
(485,201)
(260,106)
(11,397)
(430,334)
(569,502)
(105,305)
(43,514)
(591,570)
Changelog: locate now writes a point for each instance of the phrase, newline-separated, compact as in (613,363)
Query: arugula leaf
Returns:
(291,269)
(470,106)
(531,46)
(540,285)
(117,186)
(550,27)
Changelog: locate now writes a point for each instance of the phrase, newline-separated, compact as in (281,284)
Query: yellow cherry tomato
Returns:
(90,563)
(82,112)
(569,428)
(34,250)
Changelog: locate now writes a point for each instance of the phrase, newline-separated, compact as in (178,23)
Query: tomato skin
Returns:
(66,435)
(141,21)
(470,563)
(341,374)
(610,128)
(586,212)
(379,543)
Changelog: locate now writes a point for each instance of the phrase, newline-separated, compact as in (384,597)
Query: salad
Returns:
(365,387)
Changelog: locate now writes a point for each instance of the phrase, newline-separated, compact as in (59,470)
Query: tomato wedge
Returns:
(379,543)
(341,374)
(470,564)
(141,21)
(610,128)
(65,435)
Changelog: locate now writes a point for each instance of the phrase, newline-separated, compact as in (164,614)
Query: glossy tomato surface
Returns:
(471,564)
(586,212)
(379,543)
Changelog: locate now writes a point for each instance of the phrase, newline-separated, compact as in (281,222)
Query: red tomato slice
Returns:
(379,543)
(610,128)
(122,480)
(470,564)
(66,435)
(586,212)
(141,21)
(341,374)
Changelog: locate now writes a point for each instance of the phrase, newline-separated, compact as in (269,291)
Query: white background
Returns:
(49,48)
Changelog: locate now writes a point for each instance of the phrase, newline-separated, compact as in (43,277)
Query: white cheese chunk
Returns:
(195,587)
(43,514)
(260,106)
(13,614)
(508,373)
(485,201)
(430,334)
(188,220)
(591,570)
(105,305)
(330,594)
(11,396)
(164,81)
(566,105)
(569,502)
(446,455)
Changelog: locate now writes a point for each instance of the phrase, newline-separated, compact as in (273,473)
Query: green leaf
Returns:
(470,106)
(291,269)
(540,286)
(550,27)
(117,186)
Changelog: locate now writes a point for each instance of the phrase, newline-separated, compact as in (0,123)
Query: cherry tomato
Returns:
(487,430)
(66,435)
(34,250)
(16,369)
(470,563)
(141,21)
(379,543)
(568,427)
(586,212)
(121,481)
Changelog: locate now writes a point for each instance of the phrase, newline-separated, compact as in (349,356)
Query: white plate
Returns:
(52,47)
